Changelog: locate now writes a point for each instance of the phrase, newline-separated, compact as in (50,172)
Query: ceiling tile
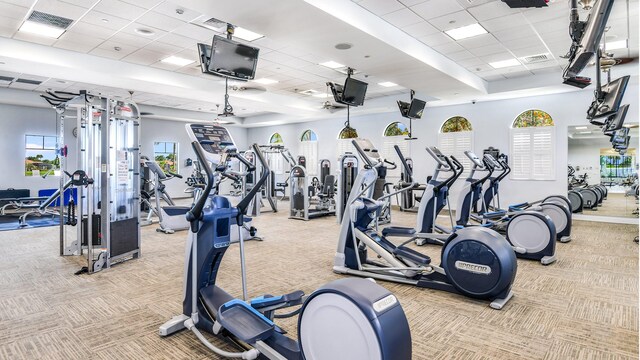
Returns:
(87,29)
(74,46)
(471,3)
(144,57)
(514,33)
(420,29)
(452,21)
(105,20)
(82,3)
(435,39)
(492,10)
(478,41)
(107,49)
(448,48)
(402,18)
(160,21)
(177,40)
(131,29)
(528,51)
(470,62)
(129,39)
(119,9)
(147,4)
(163,48)
(435,8)
(169,8)
(496,57)
(411,2)
(59,8)
(516,74)
(460,55)
(488,50)
(381,7)
(13,11)
(195,32)
(23,3)
(505,22)
(523,43)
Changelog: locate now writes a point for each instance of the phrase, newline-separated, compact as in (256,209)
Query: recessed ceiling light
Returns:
(246,35)
(615,45)
(343,46)
(332,64)
(36,28)
(176,60)
(144,31)
(117,48)
(387,84)
(581,127)
(466,31)
(504,63)
(105,20)
(265,81)
(61,81)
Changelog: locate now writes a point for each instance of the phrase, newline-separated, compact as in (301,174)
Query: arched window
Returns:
(532,146)
(276,138)
(456,137)
(395,134)
(396,129)
(309,135)
(344,140)
(309,149)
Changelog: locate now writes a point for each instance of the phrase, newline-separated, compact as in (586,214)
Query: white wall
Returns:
(17,121)
(491,122)
(586,155)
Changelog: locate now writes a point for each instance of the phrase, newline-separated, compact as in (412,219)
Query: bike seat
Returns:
(398,231)
(412,255)
(245,322)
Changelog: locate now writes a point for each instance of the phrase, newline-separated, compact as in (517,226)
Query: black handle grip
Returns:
(363,155)
(232,177)
(406,166)
(174,174)
(194,215)
(247,163)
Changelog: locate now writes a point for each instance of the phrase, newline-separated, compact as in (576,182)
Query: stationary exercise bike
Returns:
(475,262)
(345,319)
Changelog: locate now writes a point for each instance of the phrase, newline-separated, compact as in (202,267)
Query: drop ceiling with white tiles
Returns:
(115,46)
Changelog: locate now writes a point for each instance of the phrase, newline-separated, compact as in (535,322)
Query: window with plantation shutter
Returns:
(346,135)
(532,147)
(395,134)
(456,137)
(309,149)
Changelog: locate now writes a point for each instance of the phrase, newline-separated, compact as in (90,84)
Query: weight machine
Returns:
(104,167)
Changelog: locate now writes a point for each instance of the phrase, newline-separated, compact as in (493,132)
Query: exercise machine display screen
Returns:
(214,139)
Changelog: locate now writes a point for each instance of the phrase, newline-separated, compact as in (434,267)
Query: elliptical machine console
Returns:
(359,310)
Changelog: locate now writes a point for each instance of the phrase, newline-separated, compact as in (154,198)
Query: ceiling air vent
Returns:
(27,81)
(535,58)
(50,20)
(6,79)
(215,25)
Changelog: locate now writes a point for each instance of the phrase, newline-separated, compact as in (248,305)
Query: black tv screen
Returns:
(204,53)
(232,59)
(591,37)
(416,108)
(613,94)
(617,120)
(354,92)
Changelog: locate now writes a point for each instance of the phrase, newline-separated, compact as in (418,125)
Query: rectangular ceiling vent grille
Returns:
(215,25)
(6,78)
(27,81)
(535,58)
(50,19)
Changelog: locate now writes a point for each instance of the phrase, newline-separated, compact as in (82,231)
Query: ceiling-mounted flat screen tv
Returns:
(228,58)
(613,92)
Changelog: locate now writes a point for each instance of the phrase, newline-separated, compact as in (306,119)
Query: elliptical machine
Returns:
(475,262)
(359,310)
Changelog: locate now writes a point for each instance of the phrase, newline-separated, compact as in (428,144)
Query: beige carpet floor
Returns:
(616,204)
(585,306)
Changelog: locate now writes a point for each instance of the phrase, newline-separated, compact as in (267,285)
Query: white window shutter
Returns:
(344,146)
(532,152)
(389,153)
(309,149)
(456,143)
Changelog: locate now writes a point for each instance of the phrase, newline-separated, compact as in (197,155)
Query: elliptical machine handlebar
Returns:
(489,169)
(363,155)
(507,170)
(244,203)
(393,165)
(245,162)
(451,178)
(195,213)
(458,170)
(405,165)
